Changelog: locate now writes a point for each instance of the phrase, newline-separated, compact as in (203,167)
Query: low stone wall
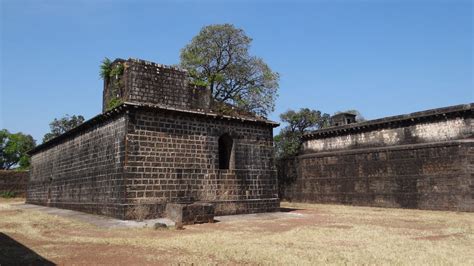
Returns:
(432,177)
(13,182)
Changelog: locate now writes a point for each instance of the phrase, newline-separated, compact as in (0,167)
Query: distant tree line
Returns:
(14,146)
(288,142)
(62,125)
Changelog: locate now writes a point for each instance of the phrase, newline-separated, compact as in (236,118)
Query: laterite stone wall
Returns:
(151,83)
(173,157)
(422,161)
(13,182)
(432,177)
(83,172)
(143,158)
(159,146)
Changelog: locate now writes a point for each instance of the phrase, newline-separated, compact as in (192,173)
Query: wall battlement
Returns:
(145,82)
(436,125)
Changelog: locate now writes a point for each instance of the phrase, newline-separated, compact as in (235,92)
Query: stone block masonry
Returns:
(163,144)
(150,83)
(145,156)
(423,160)
(83,170)
(174,157)
(190,213)
(13,183)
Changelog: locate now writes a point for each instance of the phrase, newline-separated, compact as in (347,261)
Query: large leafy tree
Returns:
(13,148)
(61,125)
(218,57)
(288,142)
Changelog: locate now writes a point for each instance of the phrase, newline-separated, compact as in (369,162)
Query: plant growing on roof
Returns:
(114,102)
(108,71)
(105,68)
(117,70)
(112,71)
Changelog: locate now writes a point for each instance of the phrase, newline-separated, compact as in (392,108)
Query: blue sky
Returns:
(380,57)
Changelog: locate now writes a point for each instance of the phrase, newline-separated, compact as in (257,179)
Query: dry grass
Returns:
(329,234)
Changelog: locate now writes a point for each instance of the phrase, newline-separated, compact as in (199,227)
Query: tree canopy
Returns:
(13,148)
(218,57)
(61,125)
(288,142)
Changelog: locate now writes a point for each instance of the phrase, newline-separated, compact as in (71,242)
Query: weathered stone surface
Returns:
(13,182)
(436,125)
(150,83)
(133,160)
(174,157)
(426,163)
(193,213)
(83,172)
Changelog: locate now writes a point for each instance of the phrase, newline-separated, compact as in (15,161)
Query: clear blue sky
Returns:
(380,57)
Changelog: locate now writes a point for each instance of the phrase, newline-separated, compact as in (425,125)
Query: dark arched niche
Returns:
(225,151)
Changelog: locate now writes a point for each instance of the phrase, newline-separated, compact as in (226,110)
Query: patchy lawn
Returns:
(329,234)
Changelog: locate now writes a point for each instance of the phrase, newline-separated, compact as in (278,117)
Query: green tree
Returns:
(13,148)
(288,141)
(62,125)
(218,57)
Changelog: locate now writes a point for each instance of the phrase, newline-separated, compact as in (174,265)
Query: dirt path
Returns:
(303,234)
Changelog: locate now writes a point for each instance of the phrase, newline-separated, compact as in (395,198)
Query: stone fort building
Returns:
(423,160)
(164,141)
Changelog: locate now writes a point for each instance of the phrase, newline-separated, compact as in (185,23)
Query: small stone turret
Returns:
(144,82)
(341,119)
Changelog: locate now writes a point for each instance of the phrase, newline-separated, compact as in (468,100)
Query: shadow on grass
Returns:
(14,253)
(289,209)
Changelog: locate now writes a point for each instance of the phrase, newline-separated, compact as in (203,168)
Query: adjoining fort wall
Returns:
(424,160)
(13,183)
(436,130)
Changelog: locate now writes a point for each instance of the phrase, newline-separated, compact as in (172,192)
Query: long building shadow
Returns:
(14,253)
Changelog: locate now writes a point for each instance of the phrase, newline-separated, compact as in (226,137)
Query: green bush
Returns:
(7,194)
(114,102)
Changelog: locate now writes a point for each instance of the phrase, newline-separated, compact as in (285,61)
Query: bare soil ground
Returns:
(329,234)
